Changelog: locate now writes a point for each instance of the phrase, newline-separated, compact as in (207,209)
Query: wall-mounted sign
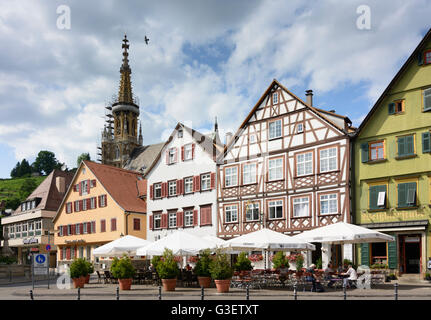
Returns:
(30,241)
(75,241)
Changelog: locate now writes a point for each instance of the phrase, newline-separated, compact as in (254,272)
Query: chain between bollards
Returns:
(160,293)
(202,293)
(79,293)
(31,295)
(396,291)
(118,293)
(344,291)
(247,293)
(295,295)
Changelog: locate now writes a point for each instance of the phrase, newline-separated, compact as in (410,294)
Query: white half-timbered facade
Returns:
(182,185)
(287,168)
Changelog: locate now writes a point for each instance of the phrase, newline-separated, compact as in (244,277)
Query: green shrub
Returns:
(280,260)
(122,268)
(243,263)
(220,267)
(90,267)
(299,262)
(379,266)
(427,276)
(319,263)
(167,268)
(202,267)
(78,268)
(7,260)
(155,261)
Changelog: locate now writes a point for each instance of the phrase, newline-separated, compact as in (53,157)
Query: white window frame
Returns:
(188,152)
(273,128)
(251,210)
(249,173)
(172,155)
(84,204)
(233,212)
(172,219)
(188,218)
(84,229)
(93,203)
(298,207)
(102,200)
(157,217)
(326,160)
(38,225)
(157,186)
(275,169)
(180,133)
(205,181)
(300,128)
(84,185)
(275,204)
(304,163)
(275,98)
(188,185)
(172,188)
(78,206)
(330,198)
(231,172)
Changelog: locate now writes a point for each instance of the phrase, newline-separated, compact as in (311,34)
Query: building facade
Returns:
(102,204)
(30,227)
(392,168)
(287,168)
(182,185)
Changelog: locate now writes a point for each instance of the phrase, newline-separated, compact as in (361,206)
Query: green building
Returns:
(392,168)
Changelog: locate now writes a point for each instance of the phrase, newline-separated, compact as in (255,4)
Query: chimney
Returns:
(60,183)
(228,137)
(309,97)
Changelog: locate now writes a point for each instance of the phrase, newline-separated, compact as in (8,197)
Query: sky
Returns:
(205,59)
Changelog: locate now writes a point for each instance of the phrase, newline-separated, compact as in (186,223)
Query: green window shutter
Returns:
(426,142)
(427,99)
(392,254)
(409,145)
(391,108)
(402,195)
(401,146)
(420,58)
(373,197)
(364,152)
(365,254)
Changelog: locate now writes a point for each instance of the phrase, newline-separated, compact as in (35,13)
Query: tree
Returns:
(27,188)
(15,170)
(82,157)
(25,168)
(46,162)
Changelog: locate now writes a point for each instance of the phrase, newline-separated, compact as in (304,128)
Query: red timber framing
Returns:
(320,131)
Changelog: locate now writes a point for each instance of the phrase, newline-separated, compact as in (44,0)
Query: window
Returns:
(304,164)
(328,159)
(275,98)
(172,188)
(114,224)
(188,185)
(102,200)
(180,133)
(84,229)
(426,142)
(379,253)
(33,204)
(252,138)
(88,253)
(172,220)
(249,173)
(300,128)
(69,229)
(172,155)
(102,225)
(93,203)
(275,169)
(396,107)
(38,225)
(84,205)
(77,228)
(84,186)
(252,212)
(275,209)
(188,152)
(427,98)
(377,197)
(188,218)
(377,150)
(328,203)
(231,176)
(206,213)
(68,207)
(275,129)
(427,57)
(205,181)
(406,146)
(157,190)
(231,213)
(157,221)
(407,194)
(136,224)
(301,207)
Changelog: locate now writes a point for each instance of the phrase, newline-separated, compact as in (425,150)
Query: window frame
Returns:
(424,95)
(174,215)
(269,206)
(157,217)
(297,163)
(370,150)
(337,200)
(406,155)
(276,100)
(309,197)
(208,180)
(231,205)
(376,185)
(159,185)
(425,57)
(174,155)
(188,214)
(190,184)
(185,151)
(136,222)
(243,165)
(174,183)
(337,158)
(275,130)
(302,124)
(282,168)
(237,176)
(407,182)
(246,207)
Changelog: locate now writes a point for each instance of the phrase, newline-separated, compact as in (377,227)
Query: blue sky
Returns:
(205,59)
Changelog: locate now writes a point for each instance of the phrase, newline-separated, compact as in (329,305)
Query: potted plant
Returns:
(221,271)
(281,263)
(78,271)
(299,262)
(90,270)
(123,270)
(202,268)
(427,276)
(242,264)
(167,270)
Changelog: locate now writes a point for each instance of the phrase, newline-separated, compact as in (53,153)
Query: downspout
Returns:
(127,225)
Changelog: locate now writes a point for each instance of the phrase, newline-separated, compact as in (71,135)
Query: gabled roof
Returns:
(142,157)
(319,112)
(48,193)
(399,74)
(208,143)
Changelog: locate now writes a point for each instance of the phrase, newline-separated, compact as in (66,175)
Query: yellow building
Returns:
(102,204)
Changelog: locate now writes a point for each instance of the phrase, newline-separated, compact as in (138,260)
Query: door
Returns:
(410,254)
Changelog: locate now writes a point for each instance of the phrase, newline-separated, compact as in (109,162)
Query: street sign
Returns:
(48,247)
(40,264)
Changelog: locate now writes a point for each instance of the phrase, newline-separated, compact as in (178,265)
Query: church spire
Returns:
(125,91)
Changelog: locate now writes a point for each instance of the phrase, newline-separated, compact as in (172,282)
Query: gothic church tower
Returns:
(119,142)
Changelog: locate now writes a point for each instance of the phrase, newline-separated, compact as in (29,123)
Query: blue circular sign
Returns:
(40,258)
(48,247)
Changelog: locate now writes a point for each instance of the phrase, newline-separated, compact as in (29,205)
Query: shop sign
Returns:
(30,241)
(75,241)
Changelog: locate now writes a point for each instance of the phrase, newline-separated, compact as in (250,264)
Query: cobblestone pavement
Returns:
(96,291)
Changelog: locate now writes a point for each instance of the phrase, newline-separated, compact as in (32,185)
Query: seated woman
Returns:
(316,286)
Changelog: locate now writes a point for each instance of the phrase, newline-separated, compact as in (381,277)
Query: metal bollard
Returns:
(31,295)
(79,293)
(160,293)
(202,293)
(344,291)
(118,293)
(247,293)
(295,297)
(396,291)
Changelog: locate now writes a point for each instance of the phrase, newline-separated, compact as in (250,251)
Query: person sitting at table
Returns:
(329,275)
(351,276)
(316,286)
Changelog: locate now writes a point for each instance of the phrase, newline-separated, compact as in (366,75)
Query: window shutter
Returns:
(209,215)
(195,217)
(411,194)
(365,254)
(364,152)
(164,220)
(373,197)
(410,146)
(212,180)
(80,189)
(176,155)
(193,151)
(392,254)
(114,224)
(426,142)
(202,216)
(88,203)
(64,230)
(93,183)
(197,183)
(81,204)
(402,195)
(179,222)
(427,99)
(68,253)
(88,186)
(151,192)
(420,58)
(61,253)
(182,153)
(74,206)
(178,187)
(81,228)
(391,108)
(106,200)
(401,146)
(89,227)
(151,222)
(167,156)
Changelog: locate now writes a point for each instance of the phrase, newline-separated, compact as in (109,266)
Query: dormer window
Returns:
(172,155)
(275,98)
(180,133)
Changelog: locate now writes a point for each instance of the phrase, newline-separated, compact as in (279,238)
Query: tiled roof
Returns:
(121,184)
(141,158)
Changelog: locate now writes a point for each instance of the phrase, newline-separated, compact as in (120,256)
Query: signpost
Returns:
(39,264)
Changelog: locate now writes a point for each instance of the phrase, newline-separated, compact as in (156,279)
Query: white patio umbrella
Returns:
(124,245)
(180,242)
(268,240)
(343,233)
(215,240)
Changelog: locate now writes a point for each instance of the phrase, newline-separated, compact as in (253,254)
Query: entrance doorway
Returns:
(316,255)
(410,253)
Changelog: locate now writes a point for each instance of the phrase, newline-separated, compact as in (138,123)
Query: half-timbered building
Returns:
(287,168)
